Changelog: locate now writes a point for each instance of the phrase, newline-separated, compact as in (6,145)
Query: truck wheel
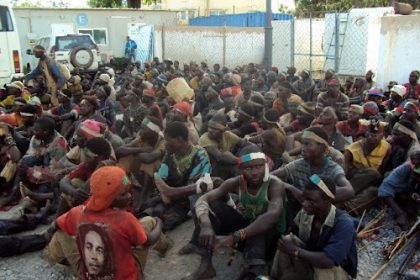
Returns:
(81,57)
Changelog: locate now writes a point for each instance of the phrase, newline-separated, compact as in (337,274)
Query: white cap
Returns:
(16,84)
(105,78)
(399,89)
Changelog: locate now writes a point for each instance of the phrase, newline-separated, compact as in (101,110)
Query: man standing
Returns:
(130,49)
(50,71)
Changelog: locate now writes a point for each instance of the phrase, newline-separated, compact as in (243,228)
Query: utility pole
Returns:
(268,36)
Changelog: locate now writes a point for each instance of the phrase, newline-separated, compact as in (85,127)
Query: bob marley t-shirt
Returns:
(104,240)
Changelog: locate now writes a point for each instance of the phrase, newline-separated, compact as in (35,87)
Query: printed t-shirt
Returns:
(109,235)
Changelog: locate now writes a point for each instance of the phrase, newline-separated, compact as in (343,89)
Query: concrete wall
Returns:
(399,43)
(187,43)
(361,36)
(38,23)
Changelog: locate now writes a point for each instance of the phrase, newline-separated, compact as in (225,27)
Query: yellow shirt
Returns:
(373,160)
(225,145)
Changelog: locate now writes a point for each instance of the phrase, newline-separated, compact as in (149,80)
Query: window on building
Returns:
(187,14)
(100,35)
(217,12)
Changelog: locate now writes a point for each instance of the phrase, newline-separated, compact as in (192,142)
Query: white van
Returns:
(10,56)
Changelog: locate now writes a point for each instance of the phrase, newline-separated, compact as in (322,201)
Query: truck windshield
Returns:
(6,23)
(65,43)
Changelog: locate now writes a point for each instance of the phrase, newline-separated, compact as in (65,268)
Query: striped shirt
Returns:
(341,104)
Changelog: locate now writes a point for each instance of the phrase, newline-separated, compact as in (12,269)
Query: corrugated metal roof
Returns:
(256,19)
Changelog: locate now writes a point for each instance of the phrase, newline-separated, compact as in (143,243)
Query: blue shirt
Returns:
(130,46)
(399,180)
(337,238)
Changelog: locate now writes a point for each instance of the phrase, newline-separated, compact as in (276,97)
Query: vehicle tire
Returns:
(81,57)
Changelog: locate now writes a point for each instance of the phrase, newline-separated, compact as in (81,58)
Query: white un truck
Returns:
(10,56)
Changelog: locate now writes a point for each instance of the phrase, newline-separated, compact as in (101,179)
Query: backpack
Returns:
(64,70)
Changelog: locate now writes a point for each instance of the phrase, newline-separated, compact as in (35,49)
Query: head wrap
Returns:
(412,106)
(402,128)
(152,126)
(236,79)
(375,92)
(307,134)
(253,156)
(371,108)
(333,82)
(315,179)
(105,185)
(149,92)
(16,84)
(184,107)
(91,129)
(104,77)
(399,89)
(356,109)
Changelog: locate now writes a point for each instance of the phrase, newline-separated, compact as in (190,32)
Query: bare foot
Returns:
(205,271)
(163,188)
(191,249)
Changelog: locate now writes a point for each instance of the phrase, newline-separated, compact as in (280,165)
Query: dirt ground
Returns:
(33,266)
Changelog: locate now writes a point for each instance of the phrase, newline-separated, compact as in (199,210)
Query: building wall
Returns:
(398,51)
(231,46)
(35,23)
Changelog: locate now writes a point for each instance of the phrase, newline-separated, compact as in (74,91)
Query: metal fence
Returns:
(345,42)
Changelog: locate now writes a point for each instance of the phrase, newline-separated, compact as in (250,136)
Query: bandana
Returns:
(413,167)
(26,114)
(333,82)
(317,181)
(411,106)
(312,136)
(91,129)
(184,107)
(253,156)
(105,185)
(216,125)
(356,109)
(149,92)
(152,126)
(405,130)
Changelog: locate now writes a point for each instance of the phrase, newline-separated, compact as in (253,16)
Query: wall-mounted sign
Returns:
(82,19)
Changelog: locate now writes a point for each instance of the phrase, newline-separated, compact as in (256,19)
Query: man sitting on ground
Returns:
(325,243)
(106,235)
(314,161)
(253,229)
(182,165)
(400,190)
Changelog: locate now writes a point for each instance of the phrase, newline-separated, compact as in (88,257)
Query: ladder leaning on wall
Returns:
(335,47)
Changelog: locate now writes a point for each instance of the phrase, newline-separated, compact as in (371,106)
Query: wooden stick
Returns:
(361,220)
(383,267)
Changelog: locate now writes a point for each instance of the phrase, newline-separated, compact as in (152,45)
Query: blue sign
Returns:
(82,19)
